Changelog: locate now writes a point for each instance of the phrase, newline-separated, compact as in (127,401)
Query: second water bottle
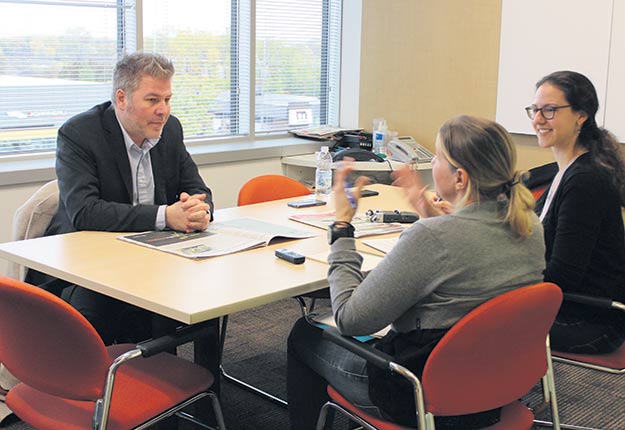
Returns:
(323,174)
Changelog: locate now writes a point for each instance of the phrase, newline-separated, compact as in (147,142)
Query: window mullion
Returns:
(252,69)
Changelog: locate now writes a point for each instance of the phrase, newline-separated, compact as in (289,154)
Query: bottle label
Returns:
(378,143)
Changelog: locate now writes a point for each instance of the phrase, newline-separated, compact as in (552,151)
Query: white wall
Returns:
(224,180)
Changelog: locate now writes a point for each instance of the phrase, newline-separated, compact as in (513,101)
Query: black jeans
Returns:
(114,320)
(576,335)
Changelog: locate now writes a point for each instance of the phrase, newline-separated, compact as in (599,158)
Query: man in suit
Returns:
(123,166)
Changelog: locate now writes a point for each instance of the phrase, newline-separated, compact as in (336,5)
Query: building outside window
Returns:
(244,68)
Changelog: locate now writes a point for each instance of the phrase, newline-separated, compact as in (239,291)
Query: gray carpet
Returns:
(255,351)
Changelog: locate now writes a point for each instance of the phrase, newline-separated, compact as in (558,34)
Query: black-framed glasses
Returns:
(548,112)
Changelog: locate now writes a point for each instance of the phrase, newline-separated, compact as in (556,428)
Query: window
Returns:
(243,67)
(56,59)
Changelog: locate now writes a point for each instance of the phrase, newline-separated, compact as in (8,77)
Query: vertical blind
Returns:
(296,64)
(296,68)
(243,67)
(198,36)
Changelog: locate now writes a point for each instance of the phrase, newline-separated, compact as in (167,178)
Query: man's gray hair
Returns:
(132,67)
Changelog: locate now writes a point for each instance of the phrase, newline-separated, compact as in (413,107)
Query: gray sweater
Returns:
(439,270)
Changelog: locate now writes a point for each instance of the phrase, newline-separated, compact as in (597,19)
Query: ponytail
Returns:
(486,151)
(605,152)
(519,205)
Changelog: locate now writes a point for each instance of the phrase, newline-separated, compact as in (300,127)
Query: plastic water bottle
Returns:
(323,174)
(380,136)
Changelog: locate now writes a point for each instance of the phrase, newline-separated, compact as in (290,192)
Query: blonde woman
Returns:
(442,267)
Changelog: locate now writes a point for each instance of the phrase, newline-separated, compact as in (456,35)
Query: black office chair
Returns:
(540,177)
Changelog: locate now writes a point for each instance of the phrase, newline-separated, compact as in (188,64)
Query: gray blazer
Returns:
(95,181)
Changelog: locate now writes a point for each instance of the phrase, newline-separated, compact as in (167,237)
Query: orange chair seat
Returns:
(614,360)
(137,396)
(266,188)
(377,422)
(514,416)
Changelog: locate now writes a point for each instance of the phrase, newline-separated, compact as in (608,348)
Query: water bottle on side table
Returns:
(380,136)
(323,174)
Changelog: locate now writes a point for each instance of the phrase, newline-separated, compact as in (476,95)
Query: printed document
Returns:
(220,238)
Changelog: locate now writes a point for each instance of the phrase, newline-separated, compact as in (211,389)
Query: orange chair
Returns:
(266,188)
(71,381)
(494,355)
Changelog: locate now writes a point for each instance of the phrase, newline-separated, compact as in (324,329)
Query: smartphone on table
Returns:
(306,203)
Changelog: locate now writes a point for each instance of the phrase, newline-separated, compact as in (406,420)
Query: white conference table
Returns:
(187,290)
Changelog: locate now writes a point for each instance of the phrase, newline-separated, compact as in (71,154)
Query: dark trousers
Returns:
(114,320)
(572,334)
(306,394)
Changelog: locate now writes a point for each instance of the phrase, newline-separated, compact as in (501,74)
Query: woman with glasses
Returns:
(441,268)
(581,212)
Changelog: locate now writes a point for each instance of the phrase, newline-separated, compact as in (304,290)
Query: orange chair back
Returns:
(493,355)
(49,345)
(266,188)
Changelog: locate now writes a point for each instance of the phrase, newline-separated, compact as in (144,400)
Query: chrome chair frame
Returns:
(603,303)
(305,309)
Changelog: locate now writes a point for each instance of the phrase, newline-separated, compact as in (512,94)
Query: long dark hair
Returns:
(603,146)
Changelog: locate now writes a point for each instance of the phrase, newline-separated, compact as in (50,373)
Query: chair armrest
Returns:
(368,352)
(180,336)
(600,302)
(144,349)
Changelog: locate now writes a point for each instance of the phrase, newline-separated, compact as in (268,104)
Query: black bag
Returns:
(394,395)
